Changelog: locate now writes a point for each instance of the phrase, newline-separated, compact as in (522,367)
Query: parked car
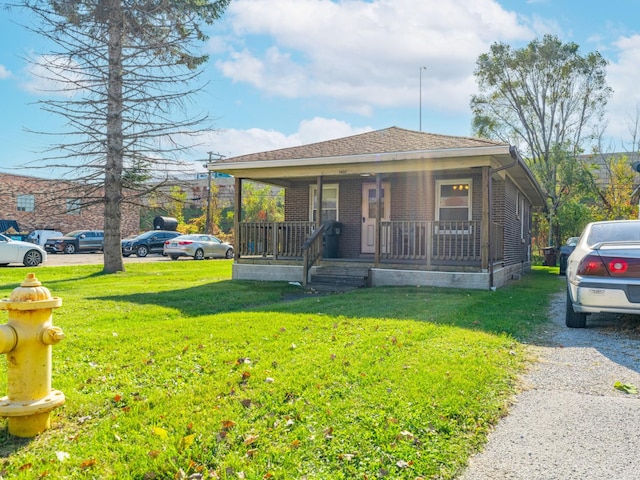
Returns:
(565,251)
(147,242)
(198,246)
(17,251)
(76,241)
(40,237)
(603,271)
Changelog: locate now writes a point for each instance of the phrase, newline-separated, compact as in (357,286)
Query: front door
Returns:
(369,208)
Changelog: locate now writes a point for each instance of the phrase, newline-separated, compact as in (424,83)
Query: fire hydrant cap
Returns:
(30,291)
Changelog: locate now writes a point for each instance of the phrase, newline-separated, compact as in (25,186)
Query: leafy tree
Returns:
(260,203)
(121,72)
(542,98)
(612,184)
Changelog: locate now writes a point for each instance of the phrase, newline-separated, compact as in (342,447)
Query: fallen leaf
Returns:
(161,432)
(402,464)
(88,463)
(154,453)
(625,387)
(186,442)
(251,439)
(227,424)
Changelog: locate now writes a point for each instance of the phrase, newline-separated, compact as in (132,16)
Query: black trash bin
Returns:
(331,237)
(549,257)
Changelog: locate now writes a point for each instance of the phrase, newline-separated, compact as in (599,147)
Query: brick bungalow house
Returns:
(398,207)
(38,203)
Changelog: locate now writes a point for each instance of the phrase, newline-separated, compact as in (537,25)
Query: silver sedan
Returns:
(198,246)
(16,251)
(603,271)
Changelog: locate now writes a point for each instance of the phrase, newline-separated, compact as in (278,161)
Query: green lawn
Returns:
(171,370)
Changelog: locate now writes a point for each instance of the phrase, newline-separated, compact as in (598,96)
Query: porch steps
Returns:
(338,278)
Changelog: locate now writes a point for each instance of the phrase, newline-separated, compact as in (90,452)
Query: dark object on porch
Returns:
(549,257)
(331,236)
(165,223)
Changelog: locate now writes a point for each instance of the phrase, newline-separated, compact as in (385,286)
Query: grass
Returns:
(171,370)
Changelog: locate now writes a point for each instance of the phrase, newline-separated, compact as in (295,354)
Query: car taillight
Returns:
(592,265)
(185,242)
(618,266)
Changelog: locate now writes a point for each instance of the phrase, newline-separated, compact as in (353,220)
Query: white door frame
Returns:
(368,236)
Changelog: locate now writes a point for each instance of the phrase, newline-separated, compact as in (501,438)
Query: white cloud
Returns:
(53,75)
(4,72)
(365,54)
(622,78)
(232,142)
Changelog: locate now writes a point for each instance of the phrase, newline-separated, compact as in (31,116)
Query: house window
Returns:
(25,203)
(329,202)
(454,200)
(73,206)
(523,216)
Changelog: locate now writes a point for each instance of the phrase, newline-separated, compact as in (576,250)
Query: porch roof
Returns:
(390,150)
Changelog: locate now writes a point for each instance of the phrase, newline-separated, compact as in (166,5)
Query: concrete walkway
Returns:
(569,422)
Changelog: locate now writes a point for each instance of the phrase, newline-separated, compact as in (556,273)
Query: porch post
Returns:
(378,218)
(237,212)
(485,244)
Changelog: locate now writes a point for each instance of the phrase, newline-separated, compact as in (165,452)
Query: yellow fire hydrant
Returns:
(26,339)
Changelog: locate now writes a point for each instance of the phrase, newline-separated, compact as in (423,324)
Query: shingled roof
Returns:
(388,140)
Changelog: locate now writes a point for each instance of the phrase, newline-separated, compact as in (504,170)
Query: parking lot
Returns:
(58,259)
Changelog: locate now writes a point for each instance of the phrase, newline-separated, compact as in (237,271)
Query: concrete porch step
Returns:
(328,277)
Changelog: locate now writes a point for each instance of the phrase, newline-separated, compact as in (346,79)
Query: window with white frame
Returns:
(524,215)
(329,202)
(73,206)
(453,202)
(25,203)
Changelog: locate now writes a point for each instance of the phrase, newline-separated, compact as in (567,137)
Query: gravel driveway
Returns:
(569,422)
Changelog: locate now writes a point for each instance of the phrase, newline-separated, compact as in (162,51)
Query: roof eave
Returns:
(369,158)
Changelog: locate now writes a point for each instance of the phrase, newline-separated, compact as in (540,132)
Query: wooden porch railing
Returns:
(437,241)
(311,252)
(273,239)
(420,241)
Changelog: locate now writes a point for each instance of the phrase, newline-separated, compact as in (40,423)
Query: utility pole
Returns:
(421,68)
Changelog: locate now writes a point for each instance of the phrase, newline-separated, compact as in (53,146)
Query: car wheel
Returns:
(69,248)
(199,255)
(142,251)
(229,253)
(32,258)
(174,257)
(574,319)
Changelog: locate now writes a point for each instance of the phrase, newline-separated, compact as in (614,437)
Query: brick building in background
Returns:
(38,203)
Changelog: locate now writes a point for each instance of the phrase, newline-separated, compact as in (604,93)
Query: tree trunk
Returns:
(114,162)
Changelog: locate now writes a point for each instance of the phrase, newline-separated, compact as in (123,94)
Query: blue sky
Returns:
(288,72)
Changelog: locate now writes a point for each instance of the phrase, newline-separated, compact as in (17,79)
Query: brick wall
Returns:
(517,225)
(50,206)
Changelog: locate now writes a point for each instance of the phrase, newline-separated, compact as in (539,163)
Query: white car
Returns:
(16,251)
(198,246)
(603,271)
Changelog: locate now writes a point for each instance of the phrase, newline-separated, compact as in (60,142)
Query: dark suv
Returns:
(148,242)
(76,241)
